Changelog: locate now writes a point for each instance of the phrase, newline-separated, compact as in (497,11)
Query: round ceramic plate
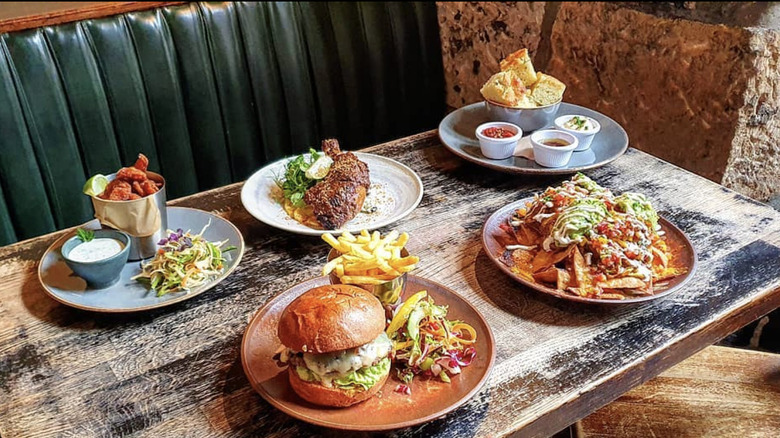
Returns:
(678,243)
(395,191)
(129,295)
(456,132)
(430,398)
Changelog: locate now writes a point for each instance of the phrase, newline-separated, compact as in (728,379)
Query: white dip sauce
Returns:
(578,123)
(95,249)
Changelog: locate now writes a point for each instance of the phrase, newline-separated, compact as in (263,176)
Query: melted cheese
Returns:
(329,366)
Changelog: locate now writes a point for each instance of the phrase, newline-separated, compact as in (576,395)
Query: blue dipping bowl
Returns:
(99,274)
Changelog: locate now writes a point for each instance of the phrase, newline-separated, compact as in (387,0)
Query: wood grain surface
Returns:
(177,371)
(76,13)
(720,391)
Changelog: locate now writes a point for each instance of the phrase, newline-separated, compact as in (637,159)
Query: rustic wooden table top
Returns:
(177,371)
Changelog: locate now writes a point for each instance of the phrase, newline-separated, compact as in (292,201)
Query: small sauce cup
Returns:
(494,142)
(553,147)
(584,137)
(102,273)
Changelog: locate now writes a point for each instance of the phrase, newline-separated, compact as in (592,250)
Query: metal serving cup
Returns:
(389,292)
(142,247)
(528,119)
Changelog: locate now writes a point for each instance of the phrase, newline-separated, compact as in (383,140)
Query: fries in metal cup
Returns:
(372,262)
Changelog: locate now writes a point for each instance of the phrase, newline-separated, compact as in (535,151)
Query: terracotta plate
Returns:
(430,399)
(675,238)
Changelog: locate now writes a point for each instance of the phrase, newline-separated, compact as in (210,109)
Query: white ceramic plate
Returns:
(395,191)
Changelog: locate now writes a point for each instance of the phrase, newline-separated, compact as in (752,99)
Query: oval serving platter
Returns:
(128,295)
(395,191)
(430,399)
(675,238)
(457,134)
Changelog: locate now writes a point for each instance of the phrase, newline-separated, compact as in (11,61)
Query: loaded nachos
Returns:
(580,238)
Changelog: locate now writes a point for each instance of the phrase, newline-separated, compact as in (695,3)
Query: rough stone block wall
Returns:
(490,29)
(693,84)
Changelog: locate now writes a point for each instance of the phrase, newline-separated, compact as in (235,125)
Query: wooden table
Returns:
(177,371)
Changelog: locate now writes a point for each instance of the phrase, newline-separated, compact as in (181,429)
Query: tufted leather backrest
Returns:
(208,91)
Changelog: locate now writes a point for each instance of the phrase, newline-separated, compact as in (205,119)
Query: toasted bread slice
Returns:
(504,88)
(520,63)
(547,90)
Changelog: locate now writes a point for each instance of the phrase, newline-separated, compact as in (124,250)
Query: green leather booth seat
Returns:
(208,91)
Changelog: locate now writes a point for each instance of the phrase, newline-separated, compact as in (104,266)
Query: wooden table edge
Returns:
(657,362)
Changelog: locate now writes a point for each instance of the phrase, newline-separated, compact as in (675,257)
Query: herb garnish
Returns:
(85,235)
(579,122)
(295,182)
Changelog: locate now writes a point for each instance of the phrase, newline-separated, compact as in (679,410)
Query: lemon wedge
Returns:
(319,168)
(95,185)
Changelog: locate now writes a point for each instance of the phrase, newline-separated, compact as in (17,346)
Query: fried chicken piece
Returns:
(131,174)
(121,191)
(133,197)
(339,196)
(148,187)
(142,163)
(137,188)
(109,188)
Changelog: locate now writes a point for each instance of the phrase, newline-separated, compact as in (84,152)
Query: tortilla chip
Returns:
(623,283)
(582,278)
(659,257)
(520,263)
(549,275)
(525,235)
(545,259)
(504,240)
(563,279)
(612,296)
(666,274)
(522,258)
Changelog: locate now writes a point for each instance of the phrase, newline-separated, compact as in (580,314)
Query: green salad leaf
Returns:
(85,235)
(365,377)
(294,182)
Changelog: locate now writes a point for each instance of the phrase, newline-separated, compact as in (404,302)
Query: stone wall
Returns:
(693,83)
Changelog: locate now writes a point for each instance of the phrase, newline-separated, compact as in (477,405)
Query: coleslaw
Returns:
(183,261)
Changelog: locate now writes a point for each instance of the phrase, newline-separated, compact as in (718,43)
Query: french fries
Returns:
(369,258)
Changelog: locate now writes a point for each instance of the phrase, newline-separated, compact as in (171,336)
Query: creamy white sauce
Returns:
(331,366)
(578,123)
(95,249)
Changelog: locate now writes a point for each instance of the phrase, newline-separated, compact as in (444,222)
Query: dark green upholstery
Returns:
(208,91)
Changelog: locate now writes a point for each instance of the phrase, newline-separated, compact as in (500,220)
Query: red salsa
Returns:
(496,132)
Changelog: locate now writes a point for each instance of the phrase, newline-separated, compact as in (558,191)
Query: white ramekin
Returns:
(498,148)
(553,156)
(584,138)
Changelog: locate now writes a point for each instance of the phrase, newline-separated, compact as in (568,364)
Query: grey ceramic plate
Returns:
(128,295)
(395,192)
(677,240)
(456,132)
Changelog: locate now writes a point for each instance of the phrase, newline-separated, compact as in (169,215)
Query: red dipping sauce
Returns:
(496,132)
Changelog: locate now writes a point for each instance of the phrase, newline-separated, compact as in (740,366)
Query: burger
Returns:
(335,345)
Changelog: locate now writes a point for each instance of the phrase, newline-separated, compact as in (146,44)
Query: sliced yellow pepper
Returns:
(403,313)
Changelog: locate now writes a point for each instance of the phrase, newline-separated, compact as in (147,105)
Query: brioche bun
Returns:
(315,392)
(331,318)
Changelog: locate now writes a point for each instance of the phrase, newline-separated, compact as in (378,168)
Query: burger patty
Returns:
(341,363)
